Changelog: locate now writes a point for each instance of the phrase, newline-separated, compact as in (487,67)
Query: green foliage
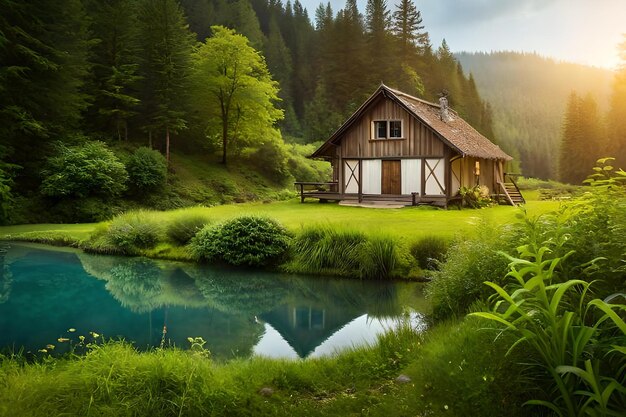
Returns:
(528,94)
(147,169)
(583,139)
(235,92)
(469,262)
(616,122)
(6,197)
(305,169)
(430,251)
(338,251)
(165,48)
(379,258)
(115,65)
(245,241)
(126,234)
(460,370)
(475,197)
(270,159)
(90,169)
(326,250)
(562,328)
(182,228)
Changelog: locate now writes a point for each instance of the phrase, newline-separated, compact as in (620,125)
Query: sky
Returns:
(582,31)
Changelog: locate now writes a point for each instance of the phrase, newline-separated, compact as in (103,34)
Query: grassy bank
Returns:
(407,222)
(113,379)
(317,238)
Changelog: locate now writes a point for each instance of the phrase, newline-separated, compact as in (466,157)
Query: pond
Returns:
(50,294)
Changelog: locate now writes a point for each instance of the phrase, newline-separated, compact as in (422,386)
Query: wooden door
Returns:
(391,181)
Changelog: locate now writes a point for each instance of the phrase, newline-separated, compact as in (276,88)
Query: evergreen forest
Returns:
(102,101)
(529,95)
(240,83)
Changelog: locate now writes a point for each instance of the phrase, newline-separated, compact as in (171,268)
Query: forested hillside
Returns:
(84,84)
(528,95)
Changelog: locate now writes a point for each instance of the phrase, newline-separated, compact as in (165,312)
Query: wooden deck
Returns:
(325,192)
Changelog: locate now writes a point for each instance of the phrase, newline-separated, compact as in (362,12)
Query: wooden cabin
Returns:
(400,148)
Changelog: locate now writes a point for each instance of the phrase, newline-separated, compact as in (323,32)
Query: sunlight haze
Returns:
(581,31)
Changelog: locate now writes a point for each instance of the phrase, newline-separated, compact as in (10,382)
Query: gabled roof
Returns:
(456,133)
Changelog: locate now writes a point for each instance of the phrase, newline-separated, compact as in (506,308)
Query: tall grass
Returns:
(114,379)
(430,251)
(555,321)
(127,234)
(335,250)
(183,226)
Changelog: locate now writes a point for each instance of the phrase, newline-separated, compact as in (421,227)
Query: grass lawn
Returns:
(408,222)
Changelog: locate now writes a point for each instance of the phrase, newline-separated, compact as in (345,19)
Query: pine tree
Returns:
(279,64)
(408,29)
(165,62)
(582,139)
(115,65)
(199,14)
(379,41)
(616,119)
(43,51)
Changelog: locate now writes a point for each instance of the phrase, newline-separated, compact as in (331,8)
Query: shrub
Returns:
(6,197)
(90,169)
(182,228)
(303,168)
(429,251)
(470,261)
(548,319)
(475,197)
(147,169)
(126,234)
(270,159)
(246,240)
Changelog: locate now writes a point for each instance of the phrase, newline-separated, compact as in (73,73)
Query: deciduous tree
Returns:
(235,92)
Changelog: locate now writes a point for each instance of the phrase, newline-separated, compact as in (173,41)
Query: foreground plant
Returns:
(570,337)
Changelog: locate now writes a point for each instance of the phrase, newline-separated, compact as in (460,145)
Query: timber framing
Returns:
(437,153)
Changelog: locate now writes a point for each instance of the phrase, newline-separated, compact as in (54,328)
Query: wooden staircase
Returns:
(510,191)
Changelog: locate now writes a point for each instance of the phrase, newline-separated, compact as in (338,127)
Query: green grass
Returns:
(409,223)
(457,368)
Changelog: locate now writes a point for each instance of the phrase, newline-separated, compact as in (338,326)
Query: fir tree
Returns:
(166,46)
(115,65)
(616,119)
(582,139)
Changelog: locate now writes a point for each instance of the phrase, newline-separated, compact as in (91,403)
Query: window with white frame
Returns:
(387,129)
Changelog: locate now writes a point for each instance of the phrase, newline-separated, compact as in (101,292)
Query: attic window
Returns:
(387,129)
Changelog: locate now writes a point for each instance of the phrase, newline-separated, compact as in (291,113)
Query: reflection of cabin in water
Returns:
(306,327)
(400,148)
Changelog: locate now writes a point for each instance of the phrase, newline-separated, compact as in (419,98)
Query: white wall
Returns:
(435,180)
(372,176)
(411,172)
(351,183)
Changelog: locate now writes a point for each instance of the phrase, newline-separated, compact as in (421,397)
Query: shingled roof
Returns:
(456,132)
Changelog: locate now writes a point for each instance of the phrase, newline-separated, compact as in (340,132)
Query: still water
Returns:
(48,293)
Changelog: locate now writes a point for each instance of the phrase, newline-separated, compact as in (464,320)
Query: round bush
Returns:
(248,240)
(147,168)
(90,169)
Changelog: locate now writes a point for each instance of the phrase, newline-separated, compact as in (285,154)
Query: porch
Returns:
(328,191)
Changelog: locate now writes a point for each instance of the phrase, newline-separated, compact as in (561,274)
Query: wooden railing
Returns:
(316,189)
(512,177)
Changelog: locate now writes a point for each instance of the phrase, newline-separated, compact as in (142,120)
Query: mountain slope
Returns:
(528,94)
